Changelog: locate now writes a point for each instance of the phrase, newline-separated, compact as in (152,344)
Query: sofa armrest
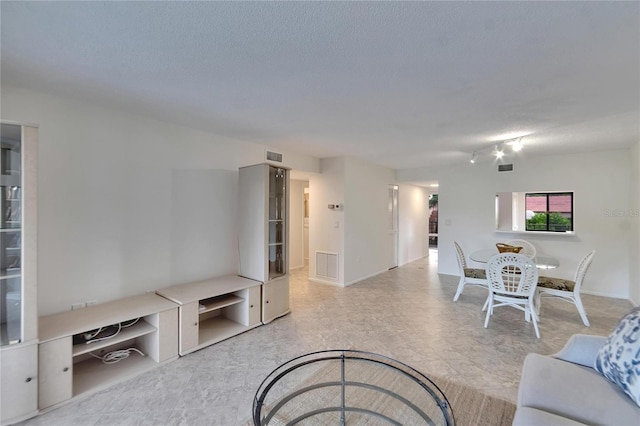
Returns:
(581,349)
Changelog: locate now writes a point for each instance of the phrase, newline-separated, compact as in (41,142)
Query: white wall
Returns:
(121,198)
(326,226)
(413,228)
(634,251)
(366,225)
(358,230)
(600,181)
(296,221)
(201,200)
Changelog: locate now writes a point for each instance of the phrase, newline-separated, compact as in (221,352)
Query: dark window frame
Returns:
(547,212)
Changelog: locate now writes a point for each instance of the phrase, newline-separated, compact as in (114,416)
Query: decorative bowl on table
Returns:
(507,248)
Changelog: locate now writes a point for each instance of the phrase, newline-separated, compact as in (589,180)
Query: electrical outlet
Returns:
(92,302)
(78,306)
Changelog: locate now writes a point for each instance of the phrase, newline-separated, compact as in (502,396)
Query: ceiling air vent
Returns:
(274,156)
(505,167)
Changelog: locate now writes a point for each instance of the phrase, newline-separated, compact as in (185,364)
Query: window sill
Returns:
(560,234)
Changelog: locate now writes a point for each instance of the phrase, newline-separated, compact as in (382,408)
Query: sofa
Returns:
(565,389)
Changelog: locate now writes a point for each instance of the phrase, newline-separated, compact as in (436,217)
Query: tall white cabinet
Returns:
(18,273)
(264,234)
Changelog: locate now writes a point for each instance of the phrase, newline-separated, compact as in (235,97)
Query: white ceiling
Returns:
(401,84)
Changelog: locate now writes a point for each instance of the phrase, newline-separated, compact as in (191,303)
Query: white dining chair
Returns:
(470,276)
(512,281)
(528,249)
(566,290)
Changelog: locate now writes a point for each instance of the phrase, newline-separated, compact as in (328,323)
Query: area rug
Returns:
(470,406)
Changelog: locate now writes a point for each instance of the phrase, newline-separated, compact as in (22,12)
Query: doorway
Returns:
(393,226)
(433,225)
(305,226)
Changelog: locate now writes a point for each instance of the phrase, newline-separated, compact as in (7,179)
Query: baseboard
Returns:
(364,278)
(596,293)
(413,260)
(319,281)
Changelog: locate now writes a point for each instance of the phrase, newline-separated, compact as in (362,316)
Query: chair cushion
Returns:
(556,283)
(475,273)
(571,390)
(619,358)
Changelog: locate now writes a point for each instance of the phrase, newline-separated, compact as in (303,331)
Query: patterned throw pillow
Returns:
(619,358)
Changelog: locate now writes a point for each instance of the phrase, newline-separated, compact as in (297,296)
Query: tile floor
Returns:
(406,313)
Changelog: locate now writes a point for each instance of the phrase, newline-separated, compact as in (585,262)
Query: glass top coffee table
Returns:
(348,387)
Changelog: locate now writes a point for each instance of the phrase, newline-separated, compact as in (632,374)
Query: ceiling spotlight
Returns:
(474,157)
(517,145)
(499,153)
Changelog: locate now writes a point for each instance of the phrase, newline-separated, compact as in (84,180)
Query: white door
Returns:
(393,226)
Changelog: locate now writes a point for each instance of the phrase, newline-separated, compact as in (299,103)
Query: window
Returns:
(549,211)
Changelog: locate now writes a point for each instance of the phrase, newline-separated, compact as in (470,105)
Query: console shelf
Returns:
(92,375)
(218,303)
(215,309)
(219,328)
(68,370)
(140,328)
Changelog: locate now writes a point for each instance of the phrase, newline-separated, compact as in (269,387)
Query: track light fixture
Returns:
(516,144)
(498,150)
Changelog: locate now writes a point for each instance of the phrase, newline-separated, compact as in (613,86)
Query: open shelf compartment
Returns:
(92,374)
(218,302)
(140,328)
(219,328)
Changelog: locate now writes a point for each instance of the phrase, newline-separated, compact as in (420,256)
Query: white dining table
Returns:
(541,261)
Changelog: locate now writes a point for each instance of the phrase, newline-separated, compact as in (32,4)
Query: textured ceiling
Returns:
(398,84)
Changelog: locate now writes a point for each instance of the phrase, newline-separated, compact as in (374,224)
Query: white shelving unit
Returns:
(214,310)
(264,234)
(68,367)
(18,273)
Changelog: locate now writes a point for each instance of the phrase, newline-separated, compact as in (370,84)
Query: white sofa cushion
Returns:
(619,358)
(573,391)
(527,416)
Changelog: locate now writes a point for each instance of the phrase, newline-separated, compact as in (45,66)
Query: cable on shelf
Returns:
(116,356)
(106,337)
(129,323)
(91,337)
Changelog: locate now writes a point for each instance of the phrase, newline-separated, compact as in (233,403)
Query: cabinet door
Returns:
(254,305)
(189,326)
(275,299)
(19,390)
(55,366)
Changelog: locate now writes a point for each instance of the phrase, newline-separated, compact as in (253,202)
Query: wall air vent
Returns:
(505,167)
(274,156)
(327,264)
